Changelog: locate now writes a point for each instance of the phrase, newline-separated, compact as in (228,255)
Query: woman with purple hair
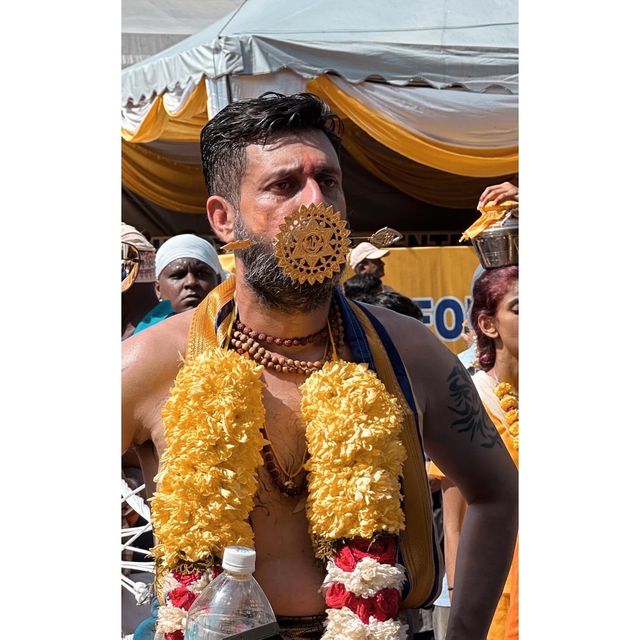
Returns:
(494,316)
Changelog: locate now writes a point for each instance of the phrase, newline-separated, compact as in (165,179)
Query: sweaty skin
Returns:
(279,177)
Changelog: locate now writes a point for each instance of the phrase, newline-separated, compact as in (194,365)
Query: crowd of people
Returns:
(224,379)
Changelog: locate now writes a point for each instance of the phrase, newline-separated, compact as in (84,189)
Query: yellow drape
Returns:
(427,184)
(177,186)
(185,125)
(466,161)
(396,156)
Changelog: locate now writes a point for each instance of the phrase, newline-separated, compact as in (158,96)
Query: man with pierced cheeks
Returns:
(263,159)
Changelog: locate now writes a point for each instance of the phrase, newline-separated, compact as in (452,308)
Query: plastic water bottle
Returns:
(233,605)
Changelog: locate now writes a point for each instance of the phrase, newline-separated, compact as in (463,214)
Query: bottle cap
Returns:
(239,559)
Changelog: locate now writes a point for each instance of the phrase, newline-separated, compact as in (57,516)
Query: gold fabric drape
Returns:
(178,186)
(466,161)
(427,184)
(185,125)
(428,170)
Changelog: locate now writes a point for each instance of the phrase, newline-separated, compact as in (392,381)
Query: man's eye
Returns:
(330,182)
(283,185)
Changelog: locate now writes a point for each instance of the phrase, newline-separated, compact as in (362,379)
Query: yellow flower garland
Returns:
(353,436)
(510,405)
(208,472)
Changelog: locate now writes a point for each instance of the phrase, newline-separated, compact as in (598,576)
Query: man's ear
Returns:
(221,214)
(157,288)
(487,325)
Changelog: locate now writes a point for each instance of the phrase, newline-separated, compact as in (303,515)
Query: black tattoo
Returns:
(473,419)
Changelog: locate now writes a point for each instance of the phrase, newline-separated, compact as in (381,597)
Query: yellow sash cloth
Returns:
(419,551)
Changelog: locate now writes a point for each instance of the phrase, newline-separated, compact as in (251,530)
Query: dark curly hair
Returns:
(488,291)
(362,284)
(224,138)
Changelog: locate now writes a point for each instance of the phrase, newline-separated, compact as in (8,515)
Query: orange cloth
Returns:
(504,625)
(512,622)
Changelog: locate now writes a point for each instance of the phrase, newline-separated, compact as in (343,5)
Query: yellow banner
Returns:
(439,281)
(437,278)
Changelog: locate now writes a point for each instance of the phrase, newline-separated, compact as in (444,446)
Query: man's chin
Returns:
(293,297)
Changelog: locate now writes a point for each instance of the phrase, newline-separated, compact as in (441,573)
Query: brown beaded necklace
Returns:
(247,341)
(287,342)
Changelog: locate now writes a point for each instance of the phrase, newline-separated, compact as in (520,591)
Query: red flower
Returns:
(383,549)
(182,597)
(337,596)
(174,635)
(345,559)
(364,608)
(185,579)
(386,604)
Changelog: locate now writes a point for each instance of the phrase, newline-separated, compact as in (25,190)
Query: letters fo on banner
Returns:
(445,315)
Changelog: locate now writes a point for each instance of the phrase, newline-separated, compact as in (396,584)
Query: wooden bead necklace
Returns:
(287,342)
(247,341)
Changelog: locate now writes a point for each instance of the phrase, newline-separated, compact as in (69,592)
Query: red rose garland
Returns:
(368,566)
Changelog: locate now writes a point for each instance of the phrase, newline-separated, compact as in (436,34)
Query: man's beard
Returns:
(273,287)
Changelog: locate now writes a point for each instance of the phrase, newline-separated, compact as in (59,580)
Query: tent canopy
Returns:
(441,43)
(149,26)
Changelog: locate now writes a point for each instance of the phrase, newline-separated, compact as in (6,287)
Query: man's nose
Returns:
(190,280)
(312,193)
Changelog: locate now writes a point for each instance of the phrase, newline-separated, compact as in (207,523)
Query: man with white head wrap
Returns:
(187,268)
(188,245)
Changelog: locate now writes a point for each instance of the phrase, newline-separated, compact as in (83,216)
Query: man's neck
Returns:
(279,323)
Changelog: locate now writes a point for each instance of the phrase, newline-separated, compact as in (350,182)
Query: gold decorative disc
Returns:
(312,243)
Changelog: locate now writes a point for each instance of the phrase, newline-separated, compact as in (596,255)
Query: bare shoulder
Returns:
(150,363)
(423,354)
(157,347)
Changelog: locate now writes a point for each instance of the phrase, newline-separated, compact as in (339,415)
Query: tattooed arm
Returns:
(464,443)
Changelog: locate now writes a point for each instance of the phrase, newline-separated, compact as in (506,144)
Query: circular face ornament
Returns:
(312,244)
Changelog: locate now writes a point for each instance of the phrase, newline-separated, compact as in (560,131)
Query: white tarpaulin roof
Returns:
(149,26)
(440,43)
